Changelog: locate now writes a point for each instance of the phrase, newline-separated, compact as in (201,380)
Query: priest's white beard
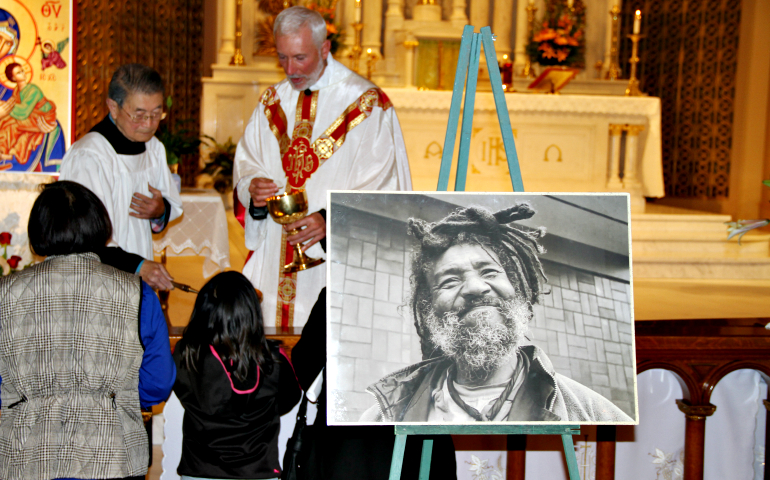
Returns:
(479,343)
(311,78)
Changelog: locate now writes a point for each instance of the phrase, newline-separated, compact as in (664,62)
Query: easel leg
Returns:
(517,457)
(427,451)
(398,457)
(569,453)
(605,452)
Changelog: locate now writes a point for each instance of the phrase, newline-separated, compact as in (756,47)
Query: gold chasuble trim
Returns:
(300,159)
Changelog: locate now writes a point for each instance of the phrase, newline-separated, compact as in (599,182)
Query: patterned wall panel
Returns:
(164,34)
(689,59)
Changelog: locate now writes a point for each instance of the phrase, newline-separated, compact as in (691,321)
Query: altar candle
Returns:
(358,11)
(637,22)
(569,3)
(531,3)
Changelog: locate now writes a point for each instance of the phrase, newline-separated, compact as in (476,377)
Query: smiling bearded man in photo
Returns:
(475,276)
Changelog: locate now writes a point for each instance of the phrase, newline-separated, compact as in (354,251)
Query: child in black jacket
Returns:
(234,385)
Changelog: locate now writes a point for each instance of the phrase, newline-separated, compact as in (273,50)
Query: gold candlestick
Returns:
(528,71)
(355,53)
(238,59)
(613,71)
(633,84)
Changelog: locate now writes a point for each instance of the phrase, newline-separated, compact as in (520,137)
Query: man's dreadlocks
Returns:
(515,245)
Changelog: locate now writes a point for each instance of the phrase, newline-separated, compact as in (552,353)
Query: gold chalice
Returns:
(288,208)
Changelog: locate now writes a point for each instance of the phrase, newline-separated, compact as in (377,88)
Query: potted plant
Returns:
(179,140)
(217,171)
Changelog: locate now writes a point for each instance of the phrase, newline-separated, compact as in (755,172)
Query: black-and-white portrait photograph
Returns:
(457,308)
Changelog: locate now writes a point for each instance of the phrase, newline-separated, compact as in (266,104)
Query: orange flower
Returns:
(545,34)
(562,54)
(330,29)
(547,50)
(565,22)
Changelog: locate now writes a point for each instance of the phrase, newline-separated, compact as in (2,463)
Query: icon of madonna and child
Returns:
(31,138)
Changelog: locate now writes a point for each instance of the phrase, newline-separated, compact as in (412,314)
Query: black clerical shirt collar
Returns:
(121,144)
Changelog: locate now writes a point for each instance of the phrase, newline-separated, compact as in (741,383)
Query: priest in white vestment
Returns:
(124,164)
(322,128)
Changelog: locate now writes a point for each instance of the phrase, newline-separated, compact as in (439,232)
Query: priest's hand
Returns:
(314,231)
(156,275)
(261,188)
(147,207)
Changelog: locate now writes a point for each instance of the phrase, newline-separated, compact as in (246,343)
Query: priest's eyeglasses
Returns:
(143,117)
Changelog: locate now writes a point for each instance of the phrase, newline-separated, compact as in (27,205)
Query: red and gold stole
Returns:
(301,158)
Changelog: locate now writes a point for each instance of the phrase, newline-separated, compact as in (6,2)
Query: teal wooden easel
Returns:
(468,65)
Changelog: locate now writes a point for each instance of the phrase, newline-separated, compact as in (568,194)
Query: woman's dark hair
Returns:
(68,218)
(227,316)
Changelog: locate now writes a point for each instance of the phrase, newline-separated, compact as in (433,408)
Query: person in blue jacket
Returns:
(83,346)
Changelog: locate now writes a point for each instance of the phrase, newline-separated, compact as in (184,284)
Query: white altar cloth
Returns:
(202,230)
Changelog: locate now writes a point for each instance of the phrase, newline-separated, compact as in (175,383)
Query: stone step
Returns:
(701,267)
(678,243)
(648,243)
(663,223)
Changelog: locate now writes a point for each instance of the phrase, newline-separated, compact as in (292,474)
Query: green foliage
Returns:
(220,163)
(179,140)
(182,139)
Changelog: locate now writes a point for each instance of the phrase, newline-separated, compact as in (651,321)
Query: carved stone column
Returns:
(372,26)
(348,18)
(520,57)
(394,16)
(613,181)
(631,166)
(694,437)
(501,26)
(479,13)
(227,49)
(458,17)
(411,43)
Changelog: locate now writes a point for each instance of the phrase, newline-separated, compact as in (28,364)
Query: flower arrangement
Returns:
(561,37)
(8,265)
(264,43)
(333,34)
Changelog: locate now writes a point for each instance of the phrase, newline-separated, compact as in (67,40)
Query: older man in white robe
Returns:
(124,164)
(322,128)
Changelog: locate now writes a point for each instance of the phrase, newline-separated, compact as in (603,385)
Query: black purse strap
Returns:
(302,412)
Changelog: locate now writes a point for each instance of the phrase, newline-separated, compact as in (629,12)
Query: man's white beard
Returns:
(311,79)
(480,344)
